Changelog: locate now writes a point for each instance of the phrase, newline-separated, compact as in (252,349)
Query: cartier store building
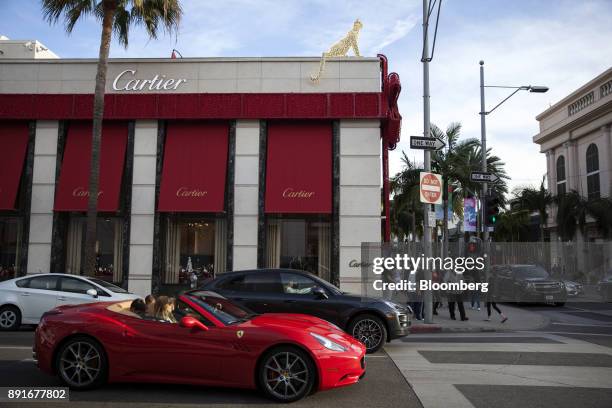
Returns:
(206,166)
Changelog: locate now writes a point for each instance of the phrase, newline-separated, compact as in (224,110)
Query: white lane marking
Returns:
(377,356)
(583,324)
(583,334)
(16,347)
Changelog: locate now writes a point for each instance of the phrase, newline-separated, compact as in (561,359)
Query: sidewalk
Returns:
(518,319)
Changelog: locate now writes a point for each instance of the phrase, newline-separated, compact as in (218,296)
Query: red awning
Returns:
(195,165)
(299,168)
(13,145)
(72,193)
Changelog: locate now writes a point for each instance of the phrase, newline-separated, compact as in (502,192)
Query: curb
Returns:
(435,328)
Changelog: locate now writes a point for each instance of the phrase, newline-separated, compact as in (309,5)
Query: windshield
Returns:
(109,286)
(530,271)
(220,307)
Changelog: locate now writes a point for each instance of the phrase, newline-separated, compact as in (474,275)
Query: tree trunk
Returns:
(109,7)
(542,222)
(445,219)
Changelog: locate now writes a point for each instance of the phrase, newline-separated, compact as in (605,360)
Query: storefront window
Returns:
(10,238)
(299,243)
(194,248)
(109,248)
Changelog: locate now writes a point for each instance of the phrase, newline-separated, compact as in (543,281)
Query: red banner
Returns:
(299,168)
(195,167)
(13,145)
(73,189)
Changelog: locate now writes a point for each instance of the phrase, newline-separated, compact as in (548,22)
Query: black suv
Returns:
(527,283)
(371,321)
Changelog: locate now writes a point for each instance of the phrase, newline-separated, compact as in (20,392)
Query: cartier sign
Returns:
(190,192)
(82,192)
(291,193)
(128,81)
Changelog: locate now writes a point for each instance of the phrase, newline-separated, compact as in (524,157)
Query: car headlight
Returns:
(327,343)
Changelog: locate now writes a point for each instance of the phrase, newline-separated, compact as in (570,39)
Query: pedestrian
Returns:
(455,297)
(475,295)
(415,297)
(491,298)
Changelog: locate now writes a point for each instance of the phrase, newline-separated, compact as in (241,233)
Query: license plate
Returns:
(549,297)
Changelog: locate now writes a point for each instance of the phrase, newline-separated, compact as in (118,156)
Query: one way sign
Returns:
(426,143)
(483,177)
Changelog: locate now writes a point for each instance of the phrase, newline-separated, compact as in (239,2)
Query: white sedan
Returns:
(24,300)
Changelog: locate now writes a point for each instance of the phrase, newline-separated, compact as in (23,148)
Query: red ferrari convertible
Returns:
(215,342)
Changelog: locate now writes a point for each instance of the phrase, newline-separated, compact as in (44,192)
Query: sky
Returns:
(561,44)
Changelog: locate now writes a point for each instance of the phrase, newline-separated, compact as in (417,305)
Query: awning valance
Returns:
(13,145)
(73,190)
(195,167)
(299,168)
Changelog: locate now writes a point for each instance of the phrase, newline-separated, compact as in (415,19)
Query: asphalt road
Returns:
(587,321)
(383,385)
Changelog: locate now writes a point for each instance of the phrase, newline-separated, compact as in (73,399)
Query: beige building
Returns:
(207,165)
(576,136)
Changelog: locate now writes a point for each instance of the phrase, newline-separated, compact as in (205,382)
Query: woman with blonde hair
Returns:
(164,306)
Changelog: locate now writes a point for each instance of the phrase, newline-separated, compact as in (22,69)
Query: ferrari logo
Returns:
(239,334)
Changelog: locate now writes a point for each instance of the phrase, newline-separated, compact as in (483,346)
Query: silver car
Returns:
(24,300)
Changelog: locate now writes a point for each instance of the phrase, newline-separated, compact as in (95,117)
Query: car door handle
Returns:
(25,294)
(61,298)
(290,301)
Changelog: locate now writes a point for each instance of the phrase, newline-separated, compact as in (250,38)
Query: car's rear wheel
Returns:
(370,330)
(82,363)
(286,374)
(10,318)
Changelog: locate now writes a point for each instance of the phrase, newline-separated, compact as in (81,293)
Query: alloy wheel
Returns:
(368,332)
(80,364)
(8,318)
(286,375)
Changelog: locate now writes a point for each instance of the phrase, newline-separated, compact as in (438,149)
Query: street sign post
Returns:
(483,177)
(426,143)
(430,188)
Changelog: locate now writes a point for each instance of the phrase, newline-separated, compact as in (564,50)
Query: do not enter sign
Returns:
(431,188)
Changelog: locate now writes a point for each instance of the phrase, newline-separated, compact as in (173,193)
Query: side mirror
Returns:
(319,293)
(191,322)
(93,293)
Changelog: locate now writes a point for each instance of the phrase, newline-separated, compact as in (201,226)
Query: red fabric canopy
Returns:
(195,166)
(299,168)
(13,145)
(72,193)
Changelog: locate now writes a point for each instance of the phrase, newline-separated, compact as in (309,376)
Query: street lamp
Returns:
(483,133)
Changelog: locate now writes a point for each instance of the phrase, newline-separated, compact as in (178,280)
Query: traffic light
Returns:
(492,203)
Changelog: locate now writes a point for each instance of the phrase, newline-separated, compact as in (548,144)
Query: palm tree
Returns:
(511,224)
(539,200)
(445,162)
(573,210)
(406,207)
(116,16)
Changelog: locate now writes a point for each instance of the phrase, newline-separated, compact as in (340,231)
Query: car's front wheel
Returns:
(286,374)
(10,318)
(82,364)
(370,330)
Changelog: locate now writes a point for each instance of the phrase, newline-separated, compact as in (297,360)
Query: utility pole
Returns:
(483,145)
(426,158)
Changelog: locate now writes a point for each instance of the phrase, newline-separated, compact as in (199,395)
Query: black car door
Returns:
(260,291)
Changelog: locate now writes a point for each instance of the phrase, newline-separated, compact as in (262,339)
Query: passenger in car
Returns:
(164,306)
(138,307)
(150,303)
